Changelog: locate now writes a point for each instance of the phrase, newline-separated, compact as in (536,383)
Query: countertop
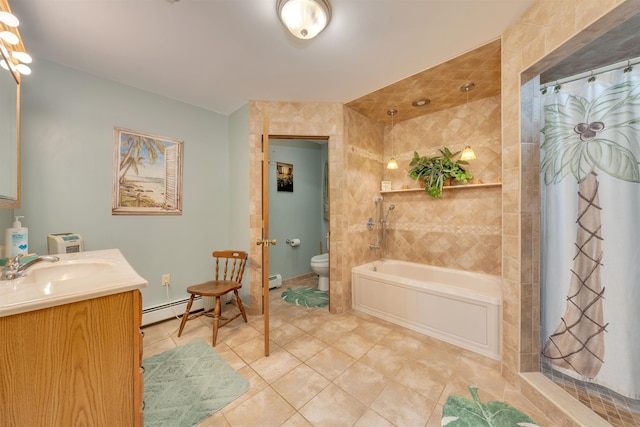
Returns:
(76,277)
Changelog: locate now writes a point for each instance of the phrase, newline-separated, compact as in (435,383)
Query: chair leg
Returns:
(185,316)
(216,321)
(240,306)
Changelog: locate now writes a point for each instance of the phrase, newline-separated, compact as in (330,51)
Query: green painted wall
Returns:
(67,170)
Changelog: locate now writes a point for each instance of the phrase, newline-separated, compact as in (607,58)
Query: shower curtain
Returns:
(590,236)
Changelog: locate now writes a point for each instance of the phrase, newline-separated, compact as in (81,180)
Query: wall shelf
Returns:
(449,187)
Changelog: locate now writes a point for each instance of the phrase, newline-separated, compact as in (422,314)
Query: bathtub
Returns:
(459,307)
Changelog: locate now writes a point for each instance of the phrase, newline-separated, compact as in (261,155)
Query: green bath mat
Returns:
(187,384)
(461,412)
(306,297)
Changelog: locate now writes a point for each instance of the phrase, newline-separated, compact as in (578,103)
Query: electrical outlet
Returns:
(166,279)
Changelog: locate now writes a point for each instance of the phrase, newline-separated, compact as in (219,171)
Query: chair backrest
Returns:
(230,265)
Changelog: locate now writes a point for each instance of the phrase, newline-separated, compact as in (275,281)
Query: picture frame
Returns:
(284,176)
(147,174)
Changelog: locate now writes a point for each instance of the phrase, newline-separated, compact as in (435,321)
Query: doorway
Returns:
(298,203)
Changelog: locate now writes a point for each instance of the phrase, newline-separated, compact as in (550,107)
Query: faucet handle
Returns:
(14,261)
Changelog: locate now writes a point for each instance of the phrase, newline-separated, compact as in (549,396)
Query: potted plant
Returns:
(434,171)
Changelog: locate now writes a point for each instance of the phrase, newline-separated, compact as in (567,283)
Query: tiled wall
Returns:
(462,229)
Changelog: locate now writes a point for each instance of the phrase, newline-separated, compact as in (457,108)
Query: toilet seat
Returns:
(319,260)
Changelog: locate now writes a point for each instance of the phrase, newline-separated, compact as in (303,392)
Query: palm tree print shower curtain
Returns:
(590,269)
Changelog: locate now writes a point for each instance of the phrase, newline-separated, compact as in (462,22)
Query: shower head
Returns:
(389,209)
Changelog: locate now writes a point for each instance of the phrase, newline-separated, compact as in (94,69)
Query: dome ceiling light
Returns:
(305,19)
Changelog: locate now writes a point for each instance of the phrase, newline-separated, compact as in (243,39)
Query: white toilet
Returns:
(320,266)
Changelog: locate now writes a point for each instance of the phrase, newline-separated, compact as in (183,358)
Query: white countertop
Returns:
(76,277)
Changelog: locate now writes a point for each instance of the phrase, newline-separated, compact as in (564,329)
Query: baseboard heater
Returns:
(275,281)
(168,310)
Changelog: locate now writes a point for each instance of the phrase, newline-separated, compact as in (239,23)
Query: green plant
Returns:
(434,171)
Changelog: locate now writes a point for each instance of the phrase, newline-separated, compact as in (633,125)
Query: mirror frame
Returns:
(13,203)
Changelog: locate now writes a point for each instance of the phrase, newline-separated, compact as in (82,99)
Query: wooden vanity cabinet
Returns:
(77,364)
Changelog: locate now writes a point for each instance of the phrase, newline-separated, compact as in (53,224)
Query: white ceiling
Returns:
(219,54)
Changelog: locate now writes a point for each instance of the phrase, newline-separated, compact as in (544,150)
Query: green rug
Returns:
(461,412)
(306,297)
(187,384)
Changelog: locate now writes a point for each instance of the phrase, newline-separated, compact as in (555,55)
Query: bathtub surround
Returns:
(187,384)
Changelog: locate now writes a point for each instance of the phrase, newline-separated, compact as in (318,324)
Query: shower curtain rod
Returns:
(592,73)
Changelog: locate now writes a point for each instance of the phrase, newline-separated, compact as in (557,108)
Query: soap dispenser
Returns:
(16,239)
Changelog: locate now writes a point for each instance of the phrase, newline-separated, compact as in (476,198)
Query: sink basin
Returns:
(76,277)
(64,270)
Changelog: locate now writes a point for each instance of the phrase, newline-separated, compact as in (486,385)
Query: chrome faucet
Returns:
(14,269)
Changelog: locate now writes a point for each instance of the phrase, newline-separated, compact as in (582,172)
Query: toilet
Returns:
(320,266)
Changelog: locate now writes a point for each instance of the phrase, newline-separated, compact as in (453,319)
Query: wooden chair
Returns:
(229,271)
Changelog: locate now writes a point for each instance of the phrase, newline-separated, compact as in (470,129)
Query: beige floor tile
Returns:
(251,350)
(305,347)
(265,409)
(354,345)
(384,360)
(330,362)
(401,342)
(297,420)
(402,406)
(285,333)
(300,385)
(362,382)
(372,419)
(333,407)
(421,378)
(277,364)
(371,330)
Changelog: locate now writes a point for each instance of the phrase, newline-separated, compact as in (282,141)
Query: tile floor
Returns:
(614,408)
(347,369)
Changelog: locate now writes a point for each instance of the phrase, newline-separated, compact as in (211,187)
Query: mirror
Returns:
(9,137)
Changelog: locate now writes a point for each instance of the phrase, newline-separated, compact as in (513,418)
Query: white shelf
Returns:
(448,187)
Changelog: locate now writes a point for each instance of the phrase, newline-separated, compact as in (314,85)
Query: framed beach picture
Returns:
(147,174)
(284,175)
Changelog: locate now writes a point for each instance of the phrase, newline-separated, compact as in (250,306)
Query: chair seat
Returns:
(214,288)
(228,279)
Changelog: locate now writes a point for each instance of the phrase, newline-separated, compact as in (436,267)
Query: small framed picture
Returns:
(385,186)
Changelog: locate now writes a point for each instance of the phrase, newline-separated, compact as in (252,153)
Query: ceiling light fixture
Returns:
(305,19)
(392,161)
(421,102)
(12,54)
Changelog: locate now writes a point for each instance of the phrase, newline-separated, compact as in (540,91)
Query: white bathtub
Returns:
(459,307)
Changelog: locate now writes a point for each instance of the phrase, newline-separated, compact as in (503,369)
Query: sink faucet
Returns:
(14,269)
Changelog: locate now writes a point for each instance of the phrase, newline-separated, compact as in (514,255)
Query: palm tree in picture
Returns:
(137,147)
(584,138)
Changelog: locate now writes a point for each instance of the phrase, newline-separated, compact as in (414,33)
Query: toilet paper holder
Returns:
(293,242)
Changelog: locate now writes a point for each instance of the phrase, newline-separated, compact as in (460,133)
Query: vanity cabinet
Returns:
(77,364)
